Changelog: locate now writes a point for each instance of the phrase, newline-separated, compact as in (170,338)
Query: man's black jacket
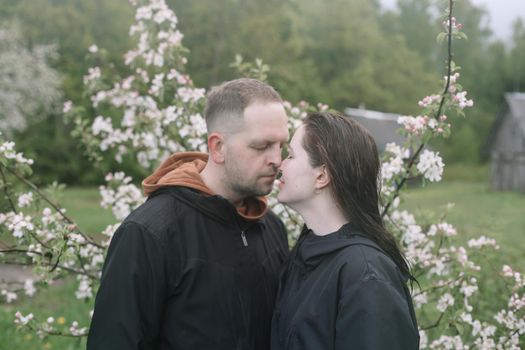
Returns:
(179,276)
(341,291)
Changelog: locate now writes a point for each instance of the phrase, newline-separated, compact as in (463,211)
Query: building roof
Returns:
(382,126)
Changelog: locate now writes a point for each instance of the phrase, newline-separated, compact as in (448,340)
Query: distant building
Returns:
(382,126)
(507,149)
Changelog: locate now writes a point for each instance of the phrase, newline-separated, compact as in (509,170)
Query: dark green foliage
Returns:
(343,53)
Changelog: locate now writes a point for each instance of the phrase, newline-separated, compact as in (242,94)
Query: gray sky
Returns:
(502,13)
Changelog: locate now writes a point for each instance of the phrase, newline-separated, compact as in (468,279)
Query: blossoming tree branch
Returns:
(157,110)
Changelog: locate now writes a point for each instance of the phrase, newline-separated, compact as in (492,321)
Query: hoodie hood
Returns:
(313,248)
(183,169)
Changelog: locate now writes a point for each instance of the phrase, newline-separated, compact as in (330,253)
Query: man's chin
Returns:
(263,193)
(259,191)
(265,187)
(263,190)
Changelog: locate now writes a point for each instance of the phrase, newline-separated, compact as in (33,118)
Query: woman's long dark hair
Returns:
(350,154)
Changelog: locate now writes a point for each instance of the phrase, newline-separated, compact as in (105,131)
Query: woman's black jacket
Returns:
(341,291)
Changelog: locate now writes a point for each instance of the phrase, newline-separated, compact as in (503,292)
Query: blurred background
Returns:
(377,55)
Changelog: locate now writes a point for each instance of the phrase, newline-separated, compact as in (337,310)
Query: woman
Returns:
(345,284)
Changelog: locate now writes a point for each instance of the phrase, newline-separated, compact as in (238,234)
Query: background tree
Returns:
(415,21)
(28,85)
(516,58)
(70,27)
(344,53)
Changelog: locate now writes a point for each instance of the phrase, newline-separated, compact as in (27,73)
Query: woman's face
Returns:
(297,182)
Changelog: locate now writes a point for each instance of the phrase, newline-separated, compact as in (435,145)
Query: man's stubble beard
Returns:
(238,184)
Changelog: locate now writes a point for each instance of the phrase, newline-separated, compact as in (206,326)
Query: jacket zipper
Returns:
(244,240)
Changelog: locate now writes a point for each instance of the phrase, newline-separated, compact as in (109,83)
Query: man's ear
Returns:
(323,177)
(216,147)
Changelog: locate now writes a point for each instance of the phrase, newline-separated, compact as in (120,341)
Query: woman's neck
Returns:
(322,215)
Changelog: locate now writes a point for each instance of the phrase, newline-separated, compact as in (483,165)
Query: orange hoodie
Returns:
(183,169)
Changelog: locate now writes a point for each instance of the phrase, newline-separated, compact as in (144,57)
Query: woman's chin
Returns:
(281,197)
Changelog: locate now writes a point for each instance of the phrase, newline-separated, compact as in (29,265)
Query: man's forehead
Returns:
(269,135)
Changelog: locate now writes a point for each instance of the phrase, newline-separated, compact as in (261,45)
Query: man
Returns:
(196,266)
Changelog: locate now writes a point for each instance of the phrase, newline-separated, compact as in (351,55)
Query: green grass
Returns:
(467,172)
(478,211)
(83,206)
(57,301)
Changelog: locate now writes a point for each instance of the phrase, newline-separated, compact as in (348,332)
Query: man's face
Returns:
(253,154)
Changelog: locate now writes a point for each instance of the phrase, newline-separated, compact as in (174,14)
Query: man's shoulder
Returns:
(157,213)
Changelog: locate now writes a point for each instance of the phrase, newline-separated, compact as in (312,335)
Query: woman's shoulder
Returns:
(363,259)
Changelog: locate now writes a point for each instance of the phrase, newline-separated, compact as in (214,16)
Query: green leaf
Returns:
(441,37)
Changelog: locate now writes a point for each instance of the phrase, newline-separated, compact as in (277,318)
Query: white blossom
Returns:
(25,199)
(420,300)
(84,290)
(414,125)
(101,124)
(29,287)
(444,302)
(461,99)
(190,95)
(427,100)
(68,105)
(430,165)
(7,151)
(482,242)
(77,331)
(21,319)
(28,84)
(9,296)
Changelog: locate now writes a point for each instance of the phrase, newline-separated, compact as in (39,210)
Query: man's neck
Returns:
(212,180)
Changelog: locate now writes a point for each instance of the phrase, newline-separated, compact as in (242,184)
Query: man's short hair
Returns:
(226,103)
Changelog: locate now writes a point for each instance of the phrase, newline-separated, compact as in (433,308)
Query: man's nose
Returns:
(275,159)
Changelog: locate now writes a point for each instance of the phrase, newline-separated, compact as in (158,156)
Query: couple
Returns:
(204,264)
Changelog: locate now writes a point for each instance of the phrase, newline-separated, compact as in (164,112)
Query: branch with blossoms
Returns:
(448,290)
(399,163)
(153,111)
(43,238)
(448,297)
(48,327)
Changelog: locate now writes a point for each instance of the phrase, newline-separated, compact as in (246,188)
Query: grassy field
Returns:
(478,211)
(83,205)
